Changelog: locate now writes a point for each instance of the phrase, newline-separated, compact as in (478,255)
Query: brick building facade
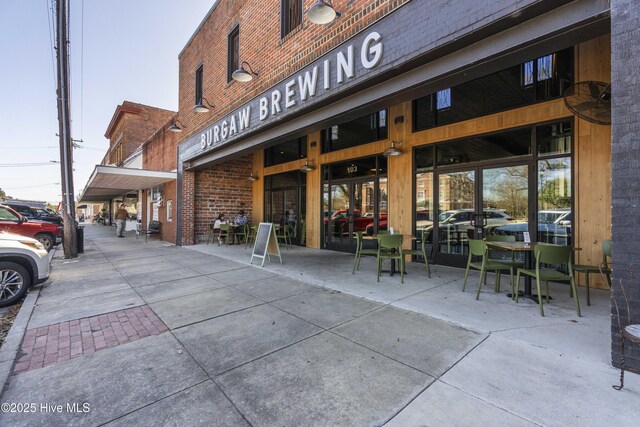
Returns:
(131,125)
(159,154)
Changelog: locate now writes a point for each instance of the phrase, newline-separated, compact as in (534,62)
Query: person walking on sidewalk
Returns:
(121,218)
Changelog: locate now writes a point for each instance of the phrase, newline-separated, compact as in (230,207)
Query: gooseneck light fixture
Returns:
(322,12)
(393,151)
(203,106)
(242,75)
(253,177)
(175,128)
(306,168)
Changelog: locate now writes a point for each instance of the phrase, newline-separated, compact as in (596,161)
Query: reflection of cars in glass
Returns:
(423,222)
(554,226)
(554,216)
(340,221)
(464,217)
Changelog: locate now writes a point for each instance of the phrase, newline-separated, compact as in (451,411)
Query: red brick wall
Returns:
(159,153)
(260,45)
(136,128)
(188,207)
(223,188)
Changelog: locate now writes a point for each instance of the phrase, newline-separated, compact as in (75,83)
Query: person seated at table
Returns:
(240,220)
(216,226)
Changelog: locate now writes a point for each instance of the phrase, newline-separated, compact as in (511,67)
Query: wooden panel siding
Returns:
(592,158)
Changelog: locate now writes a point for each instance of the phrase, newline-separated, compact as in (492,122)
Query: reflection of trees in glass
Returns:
(457,191)
(554,183)
(507,189)
(425,183)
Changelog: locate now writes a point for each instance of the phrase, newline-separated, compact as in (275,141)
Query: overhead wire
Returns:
(49,7)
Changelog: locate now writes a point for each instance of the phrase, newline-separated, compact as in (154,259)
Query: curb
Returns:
(11,346)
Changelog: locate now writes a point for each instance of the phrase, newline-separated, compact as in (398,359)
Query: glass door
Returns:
(454,215)
(354,207)
(478,202)
(340,217)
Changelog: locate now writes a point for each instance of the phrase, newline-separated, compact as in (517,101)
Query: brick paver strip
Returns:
(63,341)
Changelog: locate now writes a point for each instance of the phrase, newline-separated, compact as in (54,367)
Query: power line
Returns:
(20,165)
(49,19)
(30,186)
(81,67)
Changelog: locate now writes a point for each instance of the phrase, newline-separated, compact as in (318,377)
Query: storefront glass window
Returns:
(554,139)
(533,81)
(369,128)
(554,201)
(489,147)
(285,203)
(286,152)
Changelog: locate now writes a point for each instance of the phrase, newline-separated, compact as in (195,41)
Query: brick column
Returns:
(625,169)
(187,197)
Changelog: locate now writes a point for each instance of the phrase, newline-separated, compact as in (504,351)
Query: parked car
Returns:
(554,226)
(47,233)
(24,262)
(35,213)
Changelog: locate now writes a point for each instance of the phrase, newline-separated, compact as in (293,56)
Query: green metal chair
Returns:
(210,234)
(509,263)
(251,236)
(224,233)
(421,251)
(282,233)
(554,255)
(303,232)
(390,247)
(478,248)
(604,267)
(238,236)
(360,251)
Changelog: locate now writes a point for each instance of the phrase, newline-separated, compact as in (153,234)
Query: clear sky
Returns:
(120,50)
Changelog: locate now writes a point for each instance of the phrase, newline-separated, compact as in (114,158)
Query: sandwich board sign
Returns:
(266,243)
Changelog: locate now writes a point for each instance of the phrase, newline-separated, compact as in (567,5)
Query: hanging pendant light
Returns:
(322,12)
(203,106)
(175,128)
(393,151)
(306,168)
(242,75)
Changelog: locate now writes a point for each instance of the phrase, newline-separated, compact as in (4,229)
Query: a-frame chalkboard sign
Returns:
(266,243)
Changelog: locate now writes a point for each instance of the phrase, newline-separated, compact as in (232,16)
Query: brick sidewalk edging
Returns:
(65,340)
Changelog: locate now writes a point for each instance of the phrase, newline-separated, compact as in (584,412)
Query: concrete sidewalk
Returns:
(137,333)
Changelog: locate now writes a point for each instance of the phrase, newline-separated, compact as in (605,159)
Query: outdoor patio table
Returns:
(393,261)
(527,248)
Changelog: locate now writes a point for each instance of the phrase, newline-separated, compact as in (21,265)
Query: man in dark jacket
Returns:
(121,218)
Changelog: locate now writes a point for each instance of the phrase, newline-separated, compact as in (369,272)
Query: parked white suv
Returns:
(23,262)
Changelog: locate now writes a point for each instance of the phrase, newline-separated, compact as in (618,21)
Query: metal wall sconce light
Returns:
(306,168)
(253,177)
(398,120)
(242,75)
(175,128)
(203,106)
(393,151)
(322,12)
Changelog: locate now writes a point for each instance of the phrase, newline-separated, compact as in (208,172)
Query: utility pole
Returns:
(64,121)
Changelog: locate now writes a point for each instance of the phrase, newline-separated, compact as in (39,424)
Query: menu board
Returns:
(266,243)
